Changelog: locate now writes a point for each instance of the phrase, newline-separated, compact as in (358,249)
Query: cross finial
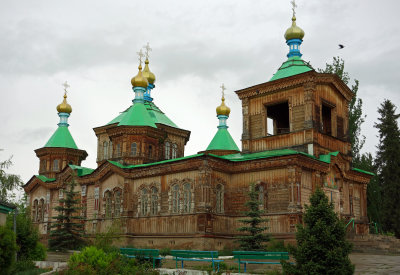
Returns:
(140,55)
(223,88)
(294,6)
(147,50)
(66,86)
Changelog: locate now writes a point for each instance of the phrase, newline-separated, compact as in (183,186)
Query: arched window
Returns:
(219,207)
(175,199)
(117,203)
(41,214)
(35,210)
(174,150)
(144,202)
(187,198)
(150,151)
(133,149)
(262,196)
(154,201)
(110,150)
(118,150)
(105,150)
(55,165)
(108,206)
(167,152)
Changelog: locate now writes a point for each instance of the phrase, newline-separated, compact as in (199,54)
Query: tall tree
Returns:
(374,199)
(388,166)
(356,117)
(255,238)
(321,244)
(8,182)
(68,229)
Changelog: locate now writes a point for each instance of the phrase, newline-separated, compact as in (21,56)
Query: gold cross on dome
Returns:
(66,86)
(223,88)
(140,55)
(147,50)
(294,6)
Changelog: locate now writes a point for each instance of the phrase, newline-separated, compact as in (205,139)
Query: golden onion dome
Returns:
(223,109)
(64,107)
(294,32)
(139,80)
(151,78)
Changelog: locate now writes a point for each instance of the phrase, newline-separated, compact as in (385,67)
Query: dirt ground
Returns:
(376,264)
(366,264)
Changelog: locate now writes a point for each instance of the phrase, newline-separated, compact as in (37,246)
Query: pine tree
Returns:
(388,166)
(255,238)
(356,117)
(68,230)
(321,244)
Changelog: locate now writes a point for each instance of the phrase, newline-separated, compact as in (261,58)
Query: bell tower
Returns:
(297,108)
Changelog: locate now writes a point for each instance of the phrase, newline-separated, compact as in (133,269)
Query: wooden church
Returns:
(295,139)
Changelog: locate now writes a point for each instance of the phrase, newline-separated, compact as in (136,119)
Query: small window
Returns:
(167,152)
(110,150)
(150,151)
(154,201)
(326,119)
(55,165)
(42,210)
(278,119)
(175,199)
(133,149)
(351,205)
(174,150)
(187,198)
(35,210)
(144,202)
(105,150)
(118,150)
(108,203)
(219,199)
(117,204)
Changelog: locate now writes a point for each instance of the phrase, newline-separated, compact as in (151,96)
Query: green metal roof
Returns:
(363,171)
(61,138)
(158,115)
(154,115)
(293,66)
(222,141)
(44,178)
(327,158)
(81,171)
(137,115)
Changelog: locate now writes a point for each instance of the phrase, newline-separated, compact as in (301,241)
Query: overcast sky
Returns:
(197,45)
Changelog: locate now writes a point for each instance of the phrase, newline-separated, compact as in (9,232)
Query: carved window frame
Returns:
(219,198)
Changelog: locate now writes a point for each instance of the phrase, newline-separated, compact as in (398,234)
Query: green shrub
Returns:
(105,240)
(165,251)
(7,249)
(23,265)
(277,245)
(28,244)
(225,252)
(97,262)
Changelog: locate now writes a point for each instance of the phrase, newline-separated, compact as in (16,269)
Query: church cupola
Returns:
(60,150)
(151,78)
(294,37)
(222,143)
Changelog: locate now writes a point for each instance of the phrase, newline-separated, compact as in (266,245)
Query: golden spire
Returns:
(139,80)
(294,32)
(223,109)
(146,72)
(64,107)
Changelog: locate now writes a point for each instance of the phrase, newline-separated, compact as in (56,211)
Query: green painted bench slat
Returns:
(243,257)
(195,255)
(153,254)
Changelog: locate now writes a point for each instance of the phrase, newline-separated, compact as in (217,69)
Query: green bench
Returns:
(152,254)
(257,257)
(194,255)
